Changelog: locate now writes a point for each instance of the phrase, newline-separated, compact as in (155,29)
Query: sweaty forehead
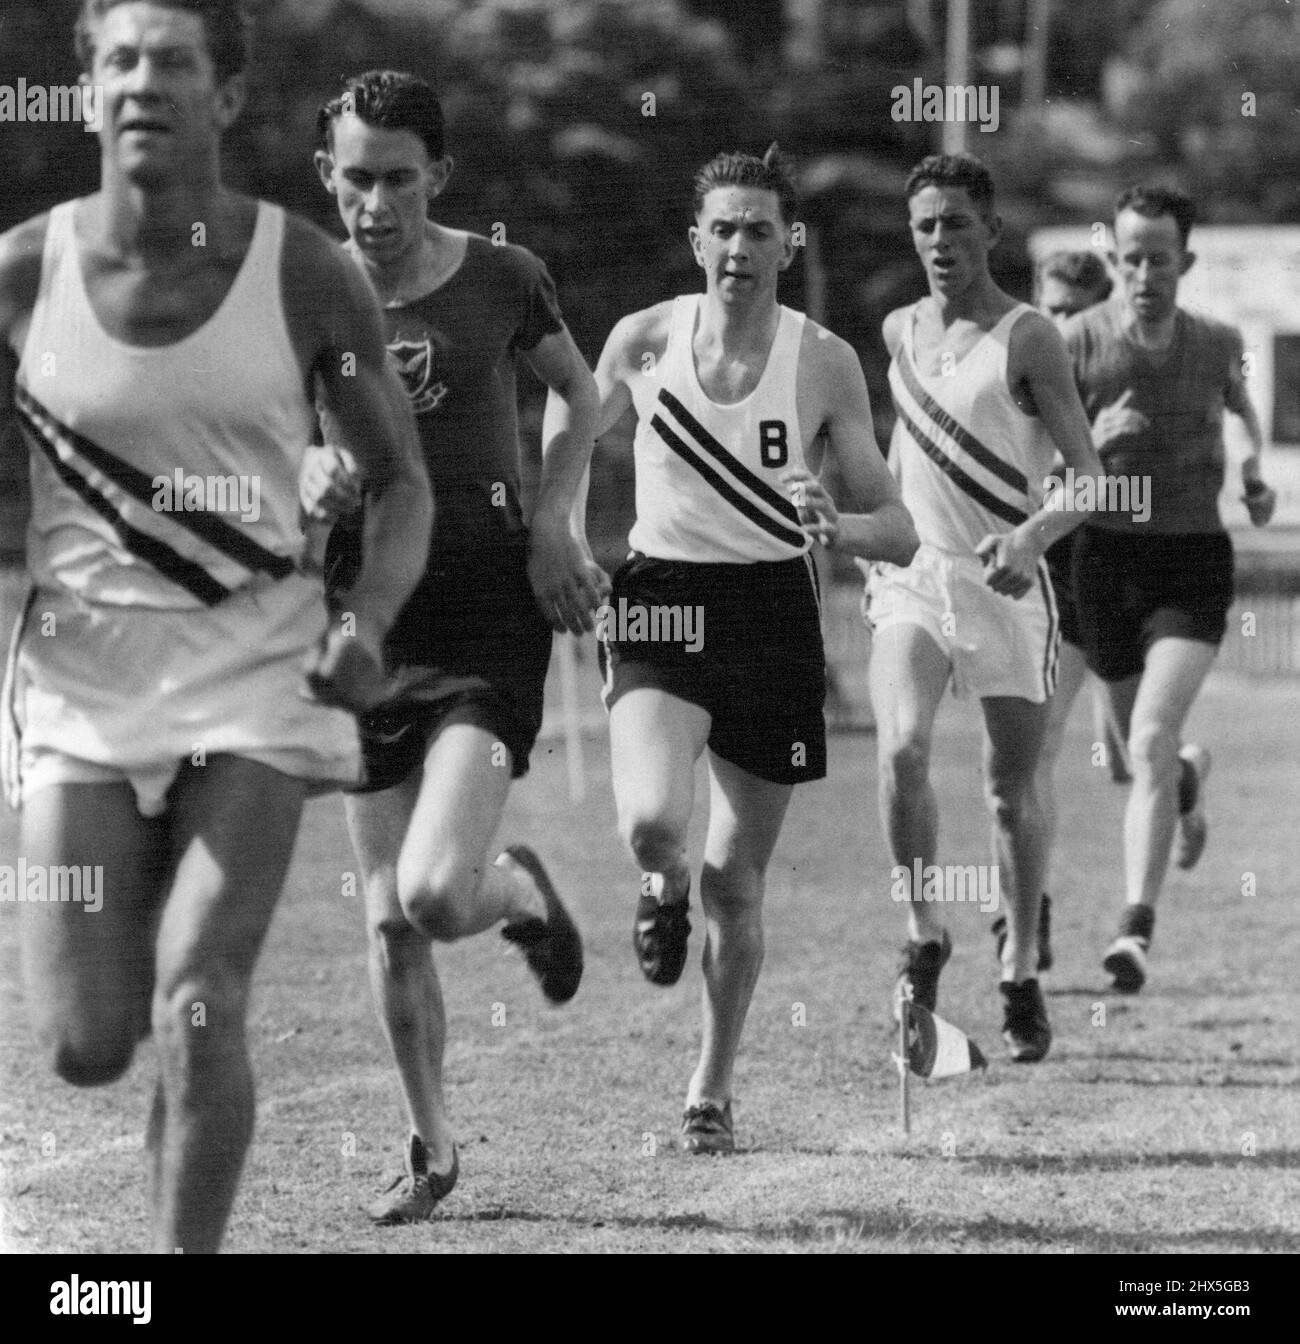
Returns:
(933,200)
(749,205)
(375,149)
(1135,230)
(140,24)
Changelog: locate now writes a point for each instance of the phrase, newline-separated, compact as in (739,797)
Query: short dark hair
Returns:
(770,173)
(390,99)
(1156,201)
(226,24)
(954,170)
(1084,269)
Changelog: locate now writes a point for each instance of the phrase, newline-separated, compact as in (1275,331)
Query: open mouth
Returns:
(144,126)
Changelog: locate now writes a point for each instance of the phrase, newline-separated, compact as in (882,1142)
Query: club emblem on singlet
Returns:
(414,361)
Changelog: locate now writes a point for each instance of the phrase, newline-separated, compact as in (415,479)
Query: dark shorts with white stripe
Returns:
(742,641)
(1060,569)
(1132,590)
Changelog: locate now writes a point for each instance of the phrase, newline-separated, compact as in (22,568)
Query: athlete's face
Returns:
(742,243)
(383,181)
(1149,261)
(1060,300)
(952,238)
(164,107)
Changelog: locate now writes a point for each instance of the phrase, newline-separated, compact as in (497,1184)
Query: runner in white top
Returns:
(166,739)
(712,635)
(983,391)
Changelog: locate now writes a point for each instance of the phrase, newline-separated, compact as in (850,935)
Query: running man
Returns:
(166,739)
(1065,283)
(983,393)
(1154,592)
(472,645)
(730,390)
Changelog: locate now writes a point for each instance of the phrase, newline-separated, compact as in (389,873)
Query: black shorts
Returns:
(750,654)
(470,646)
(1132,590)
(1060,569)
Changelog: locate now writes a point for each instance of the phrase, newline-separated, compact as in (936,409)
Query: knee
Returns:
(199,1020)
(92,1063)
(395,943)
(905,766)
(436,902)
(1153,749)
(654,841)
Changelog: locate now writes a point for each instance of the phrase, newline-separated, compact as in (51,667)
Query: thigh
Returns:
(462,793)
(745,817)
(1071,671)
(1175,670)
(378,824)
(89,971)
(1013,738)
(655,740)
(908,674)
(233,823)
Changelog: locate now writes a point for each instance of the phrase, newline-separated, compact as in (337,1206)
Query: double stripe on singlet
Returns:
(694,445)
(62,447)
(954,449)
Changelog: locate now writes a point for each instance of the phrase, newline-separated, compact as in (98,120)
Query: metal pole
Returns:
(958,69)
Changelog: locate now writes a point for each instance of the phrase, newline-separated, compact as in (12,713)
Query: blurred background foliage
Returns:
(577,125)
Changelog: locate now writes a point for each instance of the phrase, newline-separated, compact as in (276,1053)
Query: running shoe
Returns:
(707,1129)
(551,946)
(1192,826)
(659,935)
(413,1196)
(918,973)
(1025,1028)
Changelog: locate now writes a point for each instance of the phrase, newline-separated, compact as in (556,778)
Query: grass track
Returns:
(1133,1136)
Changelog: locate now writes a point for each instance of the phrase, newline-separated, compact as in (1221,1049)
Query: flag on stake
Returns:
(937,1049)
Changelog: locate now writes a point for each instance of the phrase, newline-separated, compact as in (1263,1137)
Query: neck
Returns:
(972,301)
(148,220)
(737,326)
(1156,333)
(417,271)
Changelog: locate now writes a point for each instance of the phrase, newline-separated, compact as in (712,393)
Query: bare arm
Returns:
(1038,357)
(20,272)
(568,584)
(878,525)
(372,419)
(1260,499)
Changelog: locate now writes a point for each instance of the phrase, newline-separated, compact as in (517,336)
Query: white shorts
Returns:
(98,694)
(997,645)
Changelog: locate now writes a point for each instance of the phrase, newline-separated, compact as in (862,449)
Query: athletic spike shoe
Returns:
(1025,1027)
(414,1195)
(918,973)
(999,931)
(659,935)
(1126,958)
(1189,842)
(551,946)
(707,1129)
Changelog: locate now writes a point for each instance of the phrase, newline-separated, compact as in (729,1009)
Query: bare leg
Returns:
(1013,735)
(233,825)
(1070,675)
(908,675)
(745,816)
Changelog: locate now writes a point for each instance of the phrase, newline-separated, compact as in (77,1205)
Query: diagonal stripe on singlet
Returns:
(977,492)
(791,537)
(171,564)
(219,534)
(742,473)
(987,459)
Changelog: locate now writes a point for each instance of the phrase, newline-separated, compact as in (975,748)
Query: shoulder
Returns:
(826,356)
(640,333)
(1217,333)
(322,285)
(20,270)
(510,260)
(1030,327)
(311,253)
(892,327)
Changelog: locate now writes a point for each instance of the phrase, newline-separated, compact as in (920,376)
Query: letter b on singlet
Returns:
(773,450)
